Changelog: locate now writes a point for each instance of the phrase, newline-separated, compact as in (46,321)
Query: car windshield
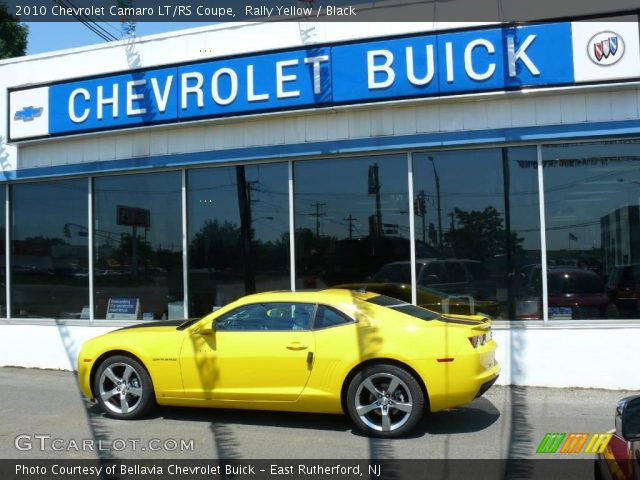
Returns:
(562,283)
(394,273)
(404,307)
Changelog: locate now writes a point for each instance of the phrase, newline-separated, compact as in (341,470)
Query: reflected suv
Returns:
(573,294)
(452,276)
(623,287)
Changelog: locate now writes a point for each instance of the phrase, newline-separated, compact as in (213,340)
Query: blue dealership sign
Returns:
(458,62)
(438,64)
(127,100)
(253,84)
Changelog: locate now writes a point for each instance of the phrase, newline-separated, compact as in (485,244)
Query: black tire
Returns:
(118,373)
(612,311)
(406,391)
(597,474)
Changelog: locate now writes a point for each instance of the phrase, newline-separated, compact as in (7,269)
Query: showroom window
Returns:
(49,250)
(352,223)
(138,246)
(477,229)
(592,203)
(238,233)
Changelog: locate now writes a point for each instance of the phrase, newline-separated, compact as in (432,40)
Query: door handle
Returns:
(297,346)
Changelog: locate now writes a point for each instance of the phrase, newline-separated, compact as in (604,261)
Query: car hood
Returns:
(160,326)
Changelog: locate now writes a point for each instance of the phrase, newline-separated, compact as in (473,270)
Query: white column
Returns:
(543,238)
(412,231)
(91,250)
(185,248)
(292,233)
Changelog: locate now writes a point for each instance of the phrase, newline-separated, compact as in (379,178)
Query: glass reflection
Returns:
(49,250)
(138,246)
(352,221)
(238,223)
(592,203)
(477,231)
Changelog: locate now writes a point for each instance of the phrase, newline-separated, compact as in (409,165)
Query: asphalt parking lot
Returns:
(45,410)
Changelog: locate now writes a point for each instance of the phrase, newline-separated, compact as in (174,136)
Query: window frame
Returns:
(214,322)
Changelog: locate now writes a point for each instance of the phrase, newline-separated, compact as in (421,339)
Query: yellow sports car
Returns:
(382,361)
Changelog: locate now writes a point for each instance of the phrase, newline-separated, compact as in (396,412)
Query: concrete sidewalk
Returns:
(508,422)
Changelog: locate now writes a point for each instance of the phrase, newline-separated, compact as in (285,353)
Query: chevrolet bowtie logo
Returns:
(27,114)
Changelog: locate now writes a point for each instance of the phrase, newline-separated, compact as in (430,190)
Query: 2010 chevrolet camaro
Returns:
(382,361)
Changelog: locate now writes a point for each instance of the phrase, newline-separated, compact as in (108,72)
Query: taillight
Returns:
(480,340)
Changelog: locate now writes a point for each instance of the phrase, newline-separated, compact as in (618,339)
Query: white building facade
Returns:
(446,164)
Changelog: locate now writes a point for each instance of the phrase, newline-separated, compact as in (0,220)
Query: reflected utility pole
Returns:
(435,174)
(319,213)
(244,205)
(506,177)
(420,209)
(351,219)
(374,188)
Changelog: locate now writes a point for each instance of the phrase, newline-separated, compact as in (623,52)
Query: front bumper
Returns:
(84,376)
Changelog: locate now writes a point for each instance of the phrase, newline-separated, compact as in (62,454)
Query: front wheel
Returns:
(123,388)
(385,401)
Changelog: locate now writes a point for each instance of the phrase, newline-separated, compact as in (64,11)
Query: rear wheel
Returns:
(123,388)
(612,311)
(385,401)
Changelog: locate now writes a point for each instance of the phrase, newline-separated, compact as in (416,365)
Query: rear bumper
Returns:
(486,386)
(462,380)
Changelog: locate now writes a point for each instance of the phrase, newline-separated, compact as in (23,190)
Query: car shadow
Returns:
(473,417)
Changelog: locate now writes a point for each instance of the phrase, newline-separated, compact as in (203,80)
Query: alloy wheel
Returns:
(120,388)
(383,402)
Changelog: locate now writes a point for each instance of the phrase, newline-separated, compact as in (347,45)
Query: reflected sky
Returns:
(336,191)
(213,194)
(160,193)
(583,184)
(474,180)
(43,209)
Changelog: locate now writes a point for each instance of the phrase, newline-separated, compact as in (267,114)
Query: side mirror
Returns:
(207,330)
(628,418)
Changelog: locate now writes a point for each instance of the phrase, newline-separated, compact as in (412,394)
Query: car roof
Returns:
(572,271)
(331,296)
(432,260)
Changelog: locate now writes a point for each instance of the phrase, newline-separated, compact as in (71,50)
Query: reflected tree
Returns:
(480,235)
(216,245)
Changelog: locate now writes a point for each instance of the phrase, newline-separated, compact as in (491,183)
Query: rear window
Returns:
(575,283)
(403,307)
(385,301)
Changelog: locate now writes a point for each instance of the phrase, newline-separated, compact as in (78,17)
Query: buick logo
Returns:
(605,48)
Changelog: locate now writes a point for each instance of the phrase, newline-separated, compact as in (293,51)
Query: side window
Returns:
(329,317)
(456,272)
(277,316)
(433,274)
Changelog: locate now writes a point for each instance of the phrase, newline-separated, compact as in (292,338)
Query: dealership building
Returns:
(162,177)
